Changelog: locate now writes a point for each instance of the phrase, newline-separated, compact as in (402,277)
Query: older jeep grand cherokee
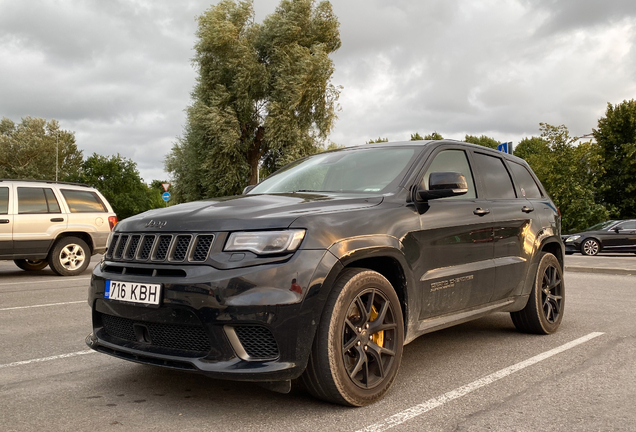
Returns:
(328,267)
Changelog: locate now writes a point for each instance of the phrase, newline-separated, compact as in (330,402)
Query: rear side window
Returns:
(4,200)
(629,225)
(495,176)
(83,201)
(526,186)
(452,161)
(37,200)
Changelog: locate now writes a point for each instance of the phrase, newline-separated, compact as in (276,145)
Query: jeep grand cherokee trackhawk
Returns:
(325,269)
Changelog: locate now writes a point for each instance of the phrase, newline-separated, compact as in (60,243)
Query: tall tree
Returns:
(568,173)
(529,147)
(117,178)
(28,150)
(483,140)
(434,136)
(616,138)
(378,140)
(416,137)
(263,95)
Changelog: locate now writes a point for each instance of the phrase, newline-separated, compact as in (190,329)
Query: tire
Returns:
(544,311)
(350,363)
(590,247)
(70,256)
(31,265)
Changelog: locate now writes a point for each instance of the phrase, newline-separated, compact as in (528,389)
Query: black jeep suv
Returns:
(328,267)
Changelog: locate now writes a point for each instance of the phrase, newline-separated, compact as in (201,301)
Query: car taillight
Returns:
(112,221)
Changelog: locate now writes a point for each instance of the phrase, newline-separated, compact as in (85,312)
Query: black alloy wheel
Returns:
(31,265)
(551,293)
(544,311)
(590,247)
(369,338)
(357,349)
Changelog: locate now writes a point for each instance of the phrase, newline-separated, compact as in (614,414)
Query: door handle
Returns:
(481,212)
(4,220)
(57,219)
(527,209)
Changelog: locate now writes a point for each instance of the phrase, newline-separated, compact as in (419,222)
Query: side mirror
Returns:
(444,184)
(617,229)
(248,188)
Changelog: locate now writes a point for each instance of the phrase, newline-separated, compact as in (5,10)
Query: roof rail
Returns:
(46,181)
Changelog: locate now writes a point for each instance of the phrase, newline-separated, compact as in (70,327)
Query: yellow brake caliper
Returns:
(378,338)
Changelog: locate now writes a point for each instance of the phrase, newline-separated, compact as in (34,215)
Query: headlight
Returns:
(265,242)
(571,239)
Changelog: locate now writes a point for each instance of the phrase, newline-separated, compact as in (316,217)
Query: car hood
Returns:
(244,212)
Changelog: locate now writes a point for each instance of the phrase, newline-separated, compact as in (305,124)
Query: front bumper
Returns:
(247,324)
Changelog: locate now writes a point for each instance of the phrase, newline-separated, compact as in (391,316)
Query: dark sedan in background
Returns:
(610,236)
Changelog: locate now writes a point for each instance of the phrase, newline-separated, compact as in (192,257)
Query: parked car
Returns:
(328,267)
(53,223)
(616,236)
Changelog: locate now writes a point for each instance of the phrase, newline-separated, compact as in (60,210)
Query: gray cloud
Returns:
(119,73)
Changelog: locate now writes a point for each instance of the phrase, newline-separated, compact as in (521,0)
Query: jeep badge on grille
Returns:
(156,224)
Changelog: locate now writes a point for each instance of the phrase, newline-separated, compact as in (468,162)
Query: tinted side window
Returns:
(54,206)
(83,201)
(526,186)
(630,225)
(495,176)
(452,161)
(37,200)
(4,200)
(32,200)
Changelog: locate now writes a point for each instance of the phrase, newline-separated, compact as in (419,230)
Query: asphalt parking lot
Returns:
(481,375)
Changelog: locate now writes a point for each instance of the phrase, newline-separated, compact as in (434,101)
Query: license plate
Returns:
(133,292)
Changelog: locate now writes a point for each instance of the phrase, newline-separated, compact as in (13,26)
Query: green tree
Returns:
(528,147)
(616,138)
(568,173)
(28,150)
(483,140)
(379,140)
(263,95)
(117,178)
(434,136)
(416,137)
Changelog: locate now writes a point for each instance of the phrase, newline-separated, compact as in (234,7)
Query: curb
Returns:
(606,270)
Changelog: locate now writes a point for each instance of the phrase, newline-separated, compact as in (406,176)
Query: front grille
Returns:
(172,248)
(172,336)
(111,247)
(181,247)
(132,248)
(202,248)
(258,342)
(123,241)
(162,248)
(146,247)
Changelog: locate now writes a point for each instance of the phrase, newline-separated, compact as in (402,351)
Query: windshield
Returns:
(361,170)
(601,226)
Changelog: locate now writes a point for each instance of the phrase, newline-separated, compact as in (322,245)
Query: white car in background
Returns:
(53,223)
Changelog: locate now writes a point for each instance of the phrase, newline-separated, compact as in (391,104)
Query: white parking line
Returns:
(43,305)
(44,280)
(422,408)
(61,356)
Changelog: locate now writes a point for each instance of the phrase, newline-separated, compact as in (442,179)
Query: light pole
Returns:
(57,151)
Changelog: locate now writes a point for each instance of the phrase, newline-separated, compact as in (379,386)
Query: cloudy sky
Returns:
(118,73)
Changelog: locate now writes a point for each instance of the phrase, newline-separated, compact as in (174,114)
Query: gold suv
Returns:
(53,223)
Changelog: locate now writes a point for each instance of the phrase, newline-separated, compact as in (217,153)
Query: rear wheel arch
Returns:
(79,234)
(555,249)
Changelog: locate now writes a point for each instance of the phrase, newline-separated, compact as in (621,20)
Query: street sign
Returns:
(166,186)
(165,196)
(503,147)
